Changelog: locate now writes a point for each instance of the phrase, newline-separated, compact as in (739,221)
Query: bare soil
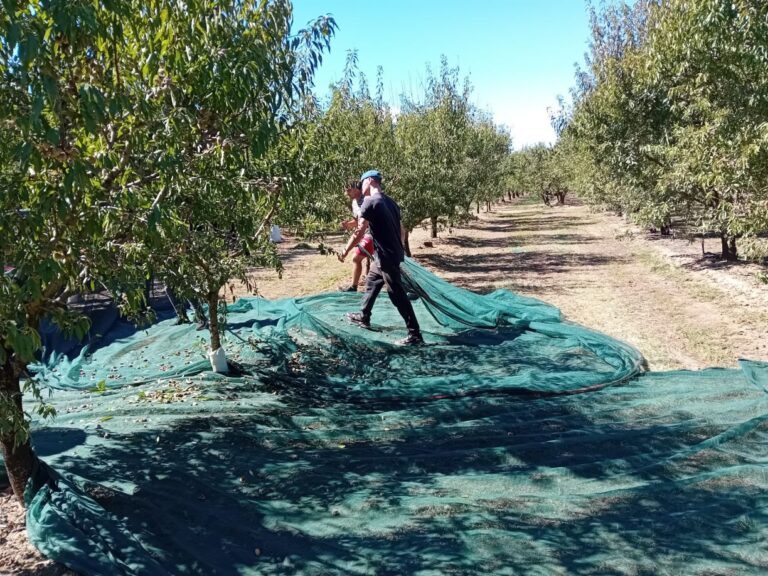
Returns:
(682,310)
(17,555)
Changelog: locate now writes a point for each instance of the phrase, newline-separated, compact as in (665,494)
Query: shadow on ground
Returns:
(507,264)
(441,485)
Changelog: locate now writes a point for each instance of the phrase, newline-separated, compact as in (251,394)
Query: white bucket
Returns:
(218,360)
(275,236)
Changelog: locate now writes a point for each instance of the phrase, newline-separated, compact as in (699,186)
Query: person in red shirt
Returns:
(364,249)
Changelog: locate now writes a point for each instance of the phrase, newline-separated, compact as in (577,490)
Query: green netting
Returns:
(512,443)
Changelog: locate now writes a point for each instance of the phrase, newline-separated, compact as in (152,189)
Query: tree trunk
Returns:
(405,239)
(149,284)
(433,219)
(724,246)
(728,244)
(478,207)
(19,460)
(509,193)
(488,206)
(213,320)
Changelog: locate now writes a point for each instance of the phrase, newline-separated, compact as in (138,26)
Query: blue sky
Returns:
(518,54)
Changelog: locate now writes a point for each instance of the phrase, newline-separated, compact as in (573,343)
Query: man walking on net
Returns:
(382,215)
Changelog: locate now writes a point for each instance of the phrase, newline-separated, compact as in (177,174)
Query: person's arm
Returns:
(362,226)
(352,223)
(349,224)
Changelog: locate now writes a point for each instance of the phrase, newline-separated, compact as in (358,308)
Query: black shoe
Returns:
(202,325)
(413,339)
(347,288)
(359,319)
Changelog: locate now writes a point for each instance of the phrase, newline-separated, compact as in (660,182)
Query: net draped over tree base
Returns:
(513,442)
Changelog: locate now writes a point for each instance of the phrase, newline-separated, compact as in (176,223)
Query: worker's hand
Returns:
(341,255)
(349,224)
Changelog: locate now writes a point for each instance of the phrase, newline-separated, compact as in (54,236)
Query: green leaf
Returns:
(100,387)
(51,88)
(28,49)
(52,136)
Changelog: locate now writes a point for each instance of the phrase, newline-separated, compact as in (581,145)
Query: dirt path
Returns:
(679,309)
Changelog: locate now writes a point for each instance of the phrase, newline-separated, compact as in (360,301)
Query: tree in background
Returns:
(668,121)
(542,170)
(439,155)
(709,60)
(432,135)
(486,164)
(449,155)
(344,137)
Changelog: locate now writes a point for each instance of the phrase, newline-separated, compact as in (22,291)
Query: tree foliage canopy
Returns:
(137,138)
(670,115)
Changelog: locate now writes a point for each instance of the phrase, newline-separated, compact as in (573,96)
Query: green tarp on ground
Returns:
(512,443)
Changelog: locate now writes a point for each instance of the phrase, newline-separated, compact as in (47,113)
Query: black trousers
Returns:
(386,274)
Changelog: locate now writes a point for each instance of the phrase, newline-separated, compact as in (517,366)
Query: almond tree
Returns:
(130,129)
(72,130)
(228,110)
(669,116)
